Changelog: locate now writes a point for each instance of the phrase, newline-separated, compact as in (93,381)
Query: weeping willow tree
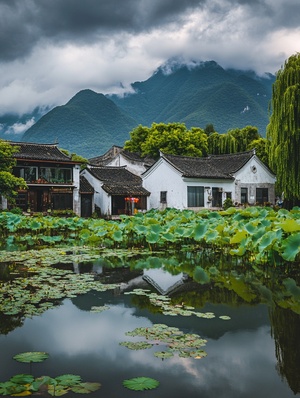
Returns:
(283,132)
(235,140)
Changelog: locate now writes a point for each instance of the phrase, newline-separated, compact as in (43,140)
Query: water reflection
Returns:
(250,355)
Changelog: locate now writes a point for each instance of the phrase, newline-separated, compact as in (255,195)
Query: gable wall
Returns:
(254,175)
(136,168)
(164,177)
(101,198)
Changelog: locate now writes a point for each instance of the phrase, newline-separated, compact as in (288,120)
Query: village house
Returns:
(118,156)
(117,190)
(191,182)
(52,178)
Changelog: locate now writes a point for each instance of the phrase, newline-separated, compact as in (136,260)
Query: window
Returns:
(262,195)
(163,196)
(195,196)
(244,195)
(28,173)
(56,175)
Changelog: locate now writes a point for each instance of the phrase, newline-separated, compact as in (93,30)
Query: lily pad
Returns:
(86,388)
(163,354)
(31,356)
(141,383)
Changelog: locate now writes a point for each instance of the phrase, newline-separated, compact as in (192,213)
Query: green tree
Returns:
(235,140)
(172,138)
(76,158)
(283,131)
(9,184)
(260,146)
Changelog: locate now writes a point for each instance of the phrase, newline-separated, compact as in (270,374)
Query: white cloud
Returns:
(235,34)
(20,128)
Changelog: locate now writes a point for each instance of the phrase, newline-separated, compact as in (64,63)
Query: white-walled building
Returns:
(116,190)
(191,182)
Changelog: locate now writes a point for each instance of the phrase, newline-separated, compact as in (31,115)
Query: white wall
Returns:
(136,168)
(254,175)
(76,184)
(101,198)
(163,177)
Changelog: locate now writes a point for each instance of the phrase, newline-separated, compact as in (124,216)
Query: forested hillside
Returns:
(90,123)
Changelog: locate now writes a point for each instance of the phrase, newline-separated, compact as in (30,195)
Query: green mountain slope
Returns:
(86,124)
(90,123)
(201,95)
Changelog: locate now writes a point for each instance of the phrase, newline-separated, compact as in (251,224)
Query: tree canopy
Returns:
(172,138)
(176,139)
(235,140)
(9,184)
(283,131)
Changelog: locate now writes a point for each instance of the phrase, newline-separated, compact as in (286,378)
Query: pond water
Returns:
(253,352)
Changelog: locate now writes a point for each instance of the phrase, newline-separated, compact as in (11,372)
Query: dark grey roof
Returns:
(85,186)
(212,166)
(104,159)
(115,150)
(119,181)
(33,151)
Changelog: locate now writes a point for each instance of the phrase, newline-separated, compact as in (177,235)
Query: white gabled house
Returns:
(116,190)
(205,182)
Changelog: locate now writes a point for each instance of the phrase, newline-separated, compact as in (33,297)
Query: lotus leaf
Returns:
(139,345)
(200,231)
(11,389)
(68,380)
(163,354)
(99,308)
(33,356)
(291,247)
(141,383)
(86,388)
(22,379)
(200,275)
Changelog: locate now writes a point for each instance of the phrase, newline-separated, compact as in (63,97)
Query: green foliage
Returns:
(284,129)
(227,203)
(172,138)
(257,231)
(9,184)
(141,383)
(33,356)
(235,140)
(76,158)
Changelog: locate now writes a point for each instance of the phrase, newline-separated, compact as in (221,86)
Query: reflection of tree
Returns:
(286,331)
(9,323)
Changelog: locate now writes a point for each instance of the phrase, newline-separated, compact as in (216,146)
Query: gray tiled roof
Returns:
(119,181)
(33,151)
(212,166)
(85,186)
(115,150)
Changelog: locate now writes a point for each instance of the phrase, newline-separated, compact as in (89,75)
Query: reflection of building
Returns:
(164,282)
(286,333)
(51,176)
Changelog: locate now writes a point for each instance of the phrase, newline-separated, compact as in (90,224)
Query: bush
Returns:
(227,203)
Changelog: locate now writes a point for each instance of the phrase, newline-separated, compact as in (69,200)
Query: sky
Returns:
(51,49)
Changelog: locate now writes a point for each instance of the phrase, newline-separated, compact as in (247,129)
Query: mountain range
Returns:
(197,95)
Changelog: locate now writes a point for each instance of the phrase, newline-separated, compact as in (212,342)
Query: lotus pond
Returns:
(127,323)
(161,304)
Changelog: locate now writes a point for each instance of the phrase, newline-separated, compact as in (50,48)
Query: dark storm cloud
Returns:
(51,49)
(26,22)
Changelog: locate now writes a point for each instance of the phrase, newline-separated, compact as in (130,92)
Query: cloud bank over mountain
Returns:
(49,50)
